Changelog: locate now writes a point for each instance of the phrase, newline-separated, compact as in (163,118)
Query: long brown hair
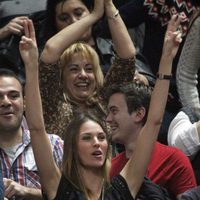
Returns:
(71,163)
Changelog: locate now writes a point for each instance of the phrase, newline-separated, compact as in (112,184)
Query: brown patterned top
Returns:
(57,111)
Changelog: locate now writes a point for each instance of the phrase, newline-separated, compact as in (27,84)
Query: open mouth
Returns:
(82,84)
(97,153)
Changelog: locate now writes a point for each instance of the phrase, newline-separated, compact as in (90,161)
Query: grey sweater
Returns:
(188,66)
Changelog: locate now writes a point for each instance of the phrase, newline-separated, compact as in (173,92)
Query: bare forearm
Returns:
(32,194)
(120,36)
(33,100)
(160,92)
(56,45)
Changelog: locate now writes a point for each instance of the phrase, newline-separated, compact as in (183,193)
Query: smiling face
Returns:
(69,12)
(11,104)
(92,145)
(121,122)
(78,78)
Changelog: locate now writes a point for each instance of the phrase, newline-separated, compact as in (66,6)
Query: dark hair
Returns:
(4,72)
(136,96)
(196,2)
(50,24)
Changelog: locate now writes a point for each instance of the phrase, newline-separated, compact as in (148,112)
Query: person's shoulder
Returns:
(169,150)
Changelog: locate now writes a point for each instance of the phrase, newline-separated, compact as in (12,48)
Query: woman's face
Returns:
(92,145)
(79,79)
(70,11)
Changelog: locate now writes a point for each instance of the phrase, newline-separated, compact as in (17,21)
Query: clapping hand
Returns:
(98,8)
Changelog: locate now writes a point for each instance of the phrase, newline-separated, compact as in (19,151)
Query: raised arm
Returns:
(121,39)
(49,172)
(135,169)
(56,45)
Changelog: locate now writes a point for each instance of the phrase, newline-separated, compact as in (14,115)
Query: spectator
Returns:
(168,167)
(84,175)
(184,134)
(21,178)
(65,13)
(87,76)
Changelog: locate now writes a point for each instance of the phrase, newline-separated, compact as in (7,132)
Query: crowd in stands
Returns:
(99,100)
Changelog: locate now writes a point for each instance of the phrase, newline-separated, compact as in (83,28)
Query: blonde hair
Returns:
(86,51)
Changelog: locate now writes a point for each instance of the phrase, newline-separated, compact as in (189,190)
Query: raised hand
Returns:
(98,9)
(172,37)
(28,46)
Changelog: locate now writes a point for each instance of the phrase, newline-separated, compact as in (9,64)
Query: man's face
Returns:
(11,104)
(121,122)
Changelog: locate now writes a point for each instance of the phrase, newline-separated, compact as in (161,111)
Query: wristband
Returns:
(163,76)
(114,16)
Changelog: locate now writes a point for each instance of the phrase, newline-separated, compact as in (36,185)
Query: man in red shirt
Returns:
(128,108)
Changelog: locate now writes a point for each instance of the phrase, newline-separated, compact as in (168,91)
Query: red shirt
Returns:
(169,167)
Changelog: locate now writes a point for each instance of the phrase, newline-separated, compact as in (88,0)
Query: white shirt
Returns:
(183,134)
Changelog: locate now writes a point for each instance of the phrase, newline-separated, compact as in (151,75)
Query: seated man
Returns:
(128,108)
(21,177)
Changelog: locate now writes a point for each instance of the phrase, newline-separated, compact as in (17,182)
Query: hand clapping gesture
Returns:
(98,9)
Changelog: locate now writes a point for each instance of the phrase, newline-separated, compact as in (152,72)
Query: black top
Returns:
(117,191)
